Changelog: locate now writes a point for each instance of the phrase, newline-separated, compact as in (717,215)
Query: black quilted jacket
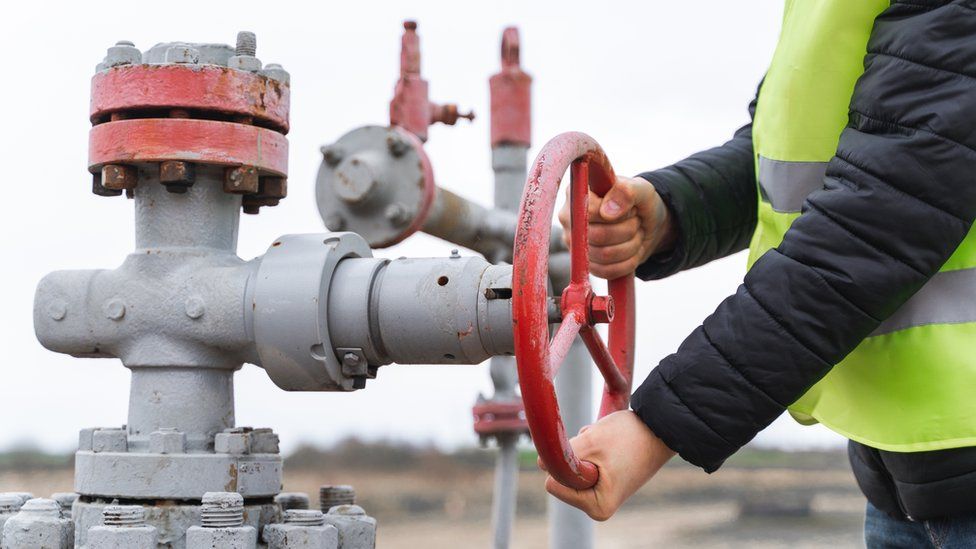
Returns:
(899,196)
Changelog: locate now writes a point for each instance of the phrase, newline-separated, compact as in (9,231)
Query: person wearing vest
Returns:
(854,189)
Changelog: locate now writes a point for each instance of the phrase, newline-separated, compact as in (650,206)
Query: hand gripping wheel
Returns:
(538,357)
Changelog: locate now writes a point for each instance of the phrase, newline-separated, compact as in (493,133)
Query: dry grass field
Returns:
(435,501)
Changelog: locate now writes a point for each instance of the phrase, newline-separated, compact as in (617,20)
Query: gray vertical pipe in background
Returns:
(568,526)
(508,161)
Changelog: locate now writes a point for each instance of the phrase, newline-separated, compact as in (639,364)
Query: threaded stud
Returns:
(123,515)
(222,510)
(304,517)
(332,495)
(247,44)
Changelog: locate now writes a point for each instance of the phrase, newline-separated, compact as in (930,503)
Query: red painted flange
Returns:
(537,357)
(208,88)
(198,141)
(493,417)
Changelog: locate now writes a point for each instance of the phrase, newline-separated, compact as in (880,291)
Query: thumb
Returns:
(618,200)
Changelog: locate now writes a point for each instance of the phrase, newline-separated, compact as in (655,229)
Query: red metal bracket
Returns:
(494,417)
(538,358)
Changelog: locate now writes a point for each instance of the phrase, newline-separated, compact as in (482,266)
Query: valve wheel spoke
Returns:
(615,380)
(562,341)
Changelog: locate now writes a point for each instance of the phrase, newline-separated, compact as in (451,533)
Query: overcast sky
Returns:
(651,81)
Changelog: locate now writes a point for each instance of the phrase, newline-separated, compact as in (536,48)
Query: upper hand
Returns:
(628,225)
(626,454)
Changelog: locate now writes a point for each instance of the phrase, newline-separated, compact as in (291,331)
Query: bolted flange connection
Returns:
(170,111)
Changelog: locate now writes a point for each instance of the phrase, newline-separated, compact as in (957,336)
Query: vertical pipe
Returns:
(568,526)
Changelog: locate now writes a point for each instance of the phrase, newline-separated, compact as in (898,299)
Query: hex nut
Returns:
(241,180)
(177,175)
(264,441)
(118,177)
(275,71)
(356,529)
(110,440)
(181,53)
(167,441)
(295,536)
(199,537)
(232,443)
(38,524)
(244,63)
(122,53)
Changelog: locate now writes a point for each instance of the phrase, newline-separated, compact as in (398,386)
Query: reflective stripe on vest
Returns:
(907,387)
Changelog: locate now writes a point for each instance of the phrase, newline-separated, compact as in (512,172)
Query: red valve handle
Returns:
(537,357)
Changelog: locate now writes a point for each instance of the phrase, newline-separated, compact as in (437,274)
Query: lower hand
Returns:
(626,453)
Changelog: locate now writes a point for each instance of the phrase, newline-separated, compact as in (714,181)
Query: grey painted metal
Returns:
(124,528)
(10,504)
(568,526)
(222,518)
(509,165)
(302,529)
(289,303)
(422,311)
(39,523)
(65,501)
(356,529)
(372,182)
(171,519)
(785,184)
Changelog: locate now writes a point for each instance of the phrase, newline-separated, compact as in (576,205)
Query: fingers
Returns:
(620,200)
(608,234)
(616,253)
(615,270)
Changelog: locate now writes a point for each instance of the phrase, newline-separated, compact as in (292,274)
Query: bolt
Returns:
(455,254)
(125,43)
(9,503)
(304,517)
(194,307)
(178,176)
(350,359)
(274,187)
(222,510)
(333,495)
(99,190)
(182,54)
(601,309)
(397,215)
(118,177)
(41,507)
(114,309)
(397,145)
(123,515)
(65,500)
(247,44)
(332,154)
(292,500)
(242,180)
(57,309)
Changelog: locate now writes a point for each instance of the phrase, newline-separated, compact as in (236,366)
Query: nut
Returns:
(118,177)
(242,180)
(601,309)
(176,175)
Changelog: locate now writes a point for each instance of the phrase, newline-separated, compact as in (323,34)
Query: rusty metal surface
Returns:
(197,141)
(538,358)
(511,96)
(210,88)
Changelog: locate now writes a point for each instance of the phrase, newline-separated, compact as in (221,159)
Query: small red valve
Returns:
(538,357)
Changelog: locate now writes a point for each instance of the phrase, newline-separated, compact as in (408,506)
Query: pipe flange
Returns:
(289,309)
(375,181)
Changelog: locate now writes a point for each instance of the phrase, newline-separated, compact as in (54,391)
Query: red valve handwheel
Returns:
(538,357)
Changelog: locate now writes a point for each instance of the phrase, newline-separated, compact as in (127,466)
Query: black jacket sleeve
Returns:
(899,197)
(712,198)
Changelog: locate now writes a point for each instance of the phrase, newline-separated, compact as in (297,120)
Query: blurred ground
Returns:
(422,498)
